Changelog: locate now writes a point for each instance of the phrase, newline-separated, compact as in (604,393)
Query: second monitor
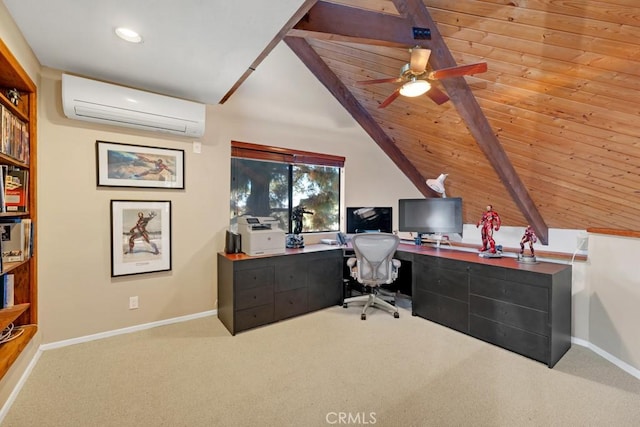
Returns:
(368,219)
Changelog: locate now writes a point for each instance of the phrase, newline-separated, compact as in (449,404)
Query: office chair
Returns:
(374,266)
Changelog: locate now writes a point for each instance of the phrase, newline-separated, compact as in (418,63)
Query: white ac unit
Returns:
(94,101)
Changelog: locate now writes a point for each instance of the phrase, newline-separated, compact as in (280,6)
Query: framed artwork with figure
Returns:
(140,237)
(126,165)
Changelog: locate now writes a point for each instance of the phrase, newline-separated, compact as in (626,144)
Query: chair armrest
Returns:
(396,263)
(351,262)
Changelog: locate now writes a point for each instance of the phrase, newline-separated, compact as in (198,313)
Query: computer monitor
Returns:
(431,215)
(368,219)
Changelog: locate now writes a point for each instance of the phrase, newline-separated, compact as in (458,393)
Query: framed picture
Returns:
(124,165)
(140,237)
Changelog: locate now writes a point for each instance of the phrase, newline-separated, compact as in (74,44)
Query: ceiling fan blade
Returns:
(461,70)
(437,96)
(390,98)
(372,82)
(419,59)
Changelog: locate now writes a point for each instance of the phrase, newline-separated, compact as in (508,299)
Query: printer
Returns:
(261,235)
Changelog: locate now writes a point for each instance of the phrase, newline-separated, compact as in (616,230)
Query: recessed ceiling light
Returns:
(128,35)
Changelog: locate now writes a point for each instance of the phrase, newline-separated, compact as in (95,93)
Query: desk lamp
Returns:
(437,184)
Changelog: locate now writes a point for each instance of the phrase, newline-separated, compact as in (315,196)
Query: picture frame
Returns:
(141,166)
(140,236)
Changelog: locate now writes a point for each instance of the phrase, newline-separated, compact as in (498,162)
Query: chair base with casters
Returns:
(371,300)
(373,266)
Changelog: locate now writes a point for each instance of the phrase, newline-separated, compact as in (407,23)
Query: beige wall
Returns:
(613,285)
(77,296)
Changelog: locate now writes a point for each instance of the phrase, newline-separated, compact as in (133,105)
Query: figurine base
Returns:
(490,255)
(527,259)
(295,241)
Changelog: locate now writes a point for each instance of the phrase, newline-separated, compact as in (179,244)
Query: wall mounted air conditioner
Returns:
(94,101)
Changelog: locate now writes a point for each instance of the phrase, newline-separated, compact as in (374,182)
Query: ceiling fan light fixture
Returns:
(415,88)
(128,35)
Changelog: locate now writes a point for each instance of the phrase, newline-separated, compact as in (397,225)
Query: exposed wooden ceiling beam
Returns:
(317,35)
(328,78)
(336,22)
(416,14)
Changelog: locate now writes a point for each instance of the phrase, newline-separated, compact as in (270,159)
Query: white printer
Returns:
(261,235)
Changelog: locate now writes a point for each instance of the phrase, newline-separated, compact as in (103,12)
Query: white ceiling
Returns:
(192,49)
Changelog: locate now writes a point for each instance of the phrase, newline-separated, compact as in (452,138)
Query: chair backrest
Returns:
(374,254)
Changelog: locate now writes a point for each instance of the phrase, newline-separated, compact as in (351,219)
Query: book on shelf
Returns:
(16,189)
(3,175)
(14,136)
(28,237)
(12,234)
(8,291)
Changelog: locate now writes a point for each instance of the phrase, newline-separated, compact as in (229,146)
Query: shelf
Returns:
(8,315)
(25,314)
(10,351)
(15,110)
(7,267)
(14,214)
(9,160)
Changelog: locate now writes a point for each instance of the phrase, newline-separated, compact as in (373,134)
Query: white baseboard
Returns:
(600,352)
(23,379)
(101,335)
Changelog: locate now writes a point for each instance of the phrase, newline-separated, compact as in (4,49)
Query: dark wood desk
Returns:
(258,290)
(525,308)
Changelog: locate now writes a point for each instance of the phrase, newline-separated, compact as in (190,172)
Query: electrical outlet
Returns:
(133,303)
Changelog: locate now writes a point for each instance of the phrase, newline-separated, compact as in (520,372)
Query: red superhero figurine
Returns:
(529,236)
(490,221)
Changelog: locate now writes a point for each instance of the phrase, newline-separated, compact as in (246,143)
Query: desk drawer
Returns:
(514,315)
(531,296)
(440,309)
(254,277)
(254,297)
(291,276)
(290,303)
(449,283)
(254,316)
(526,343)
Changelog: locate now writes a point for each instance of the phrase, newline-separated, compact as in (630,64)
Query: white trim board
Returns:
(136,328)
(600,352)
(59,344)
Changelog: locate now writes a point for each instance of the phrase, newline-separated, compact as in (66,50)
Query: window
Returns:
(272,182)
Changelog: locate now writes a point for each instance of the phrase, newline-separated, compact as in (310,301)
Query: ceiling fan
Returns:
(415,77)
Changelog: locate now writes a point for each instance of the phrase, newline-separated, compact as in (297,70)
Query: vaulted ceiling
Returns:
(549,134)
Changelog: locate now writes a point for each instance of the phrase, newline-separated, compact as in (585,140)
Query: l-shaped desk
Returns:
(522,307)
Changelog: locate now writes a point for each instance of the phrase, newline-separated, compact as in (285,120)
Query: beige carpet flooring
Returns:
(324,368)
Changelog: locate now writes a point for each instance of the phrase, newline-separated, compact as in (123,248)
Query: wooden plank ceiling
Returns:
(549,135)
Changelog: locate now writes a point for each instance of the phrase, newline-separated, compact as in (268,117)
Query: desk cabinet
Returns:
(523,311)
(255,291)
(441,292)
(522,308)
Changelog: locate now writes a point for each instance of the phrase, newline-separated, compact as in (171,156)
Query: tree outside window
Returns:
(273,189)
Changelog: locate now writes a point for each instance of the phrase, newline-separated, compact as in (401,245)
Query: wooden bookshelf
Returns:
(24,313)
